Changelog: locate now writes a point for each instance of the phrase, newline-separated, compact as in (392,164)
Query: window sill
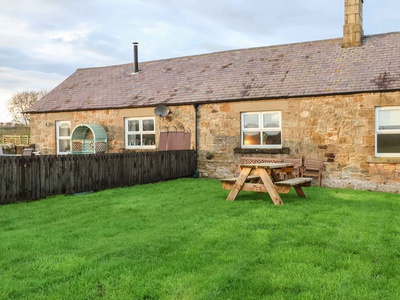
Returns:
(141,148)
(263,151)
(383,160)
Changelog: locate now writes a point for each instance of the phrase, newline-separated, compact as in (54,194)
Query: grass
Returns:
(181,240)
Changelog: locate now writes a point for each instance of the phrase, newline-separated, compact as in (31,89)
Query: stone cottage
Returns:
(336,99)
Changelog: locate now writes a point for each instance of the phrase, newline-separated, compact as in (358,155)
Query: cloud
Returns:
(76,34)
(13,81)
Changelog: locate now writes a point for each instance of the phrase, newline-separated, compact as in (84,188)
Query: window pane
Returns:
(271,137)
(148,125)
(389,119)
(251,121)
(134,140)
(388,143)
(140,132)
(251,138)
(63,146)
(133,125)
(149,139)
(64,129)
(271,120)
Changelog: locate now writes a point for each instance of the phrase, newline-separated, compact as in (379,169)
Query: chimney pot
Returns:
(135,57)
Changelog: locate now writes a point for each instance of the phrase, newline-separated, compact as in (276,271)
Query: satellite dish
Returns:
(161,111)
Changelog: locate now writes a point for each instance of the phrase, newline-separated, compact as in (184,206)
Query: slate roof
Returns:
(292,70)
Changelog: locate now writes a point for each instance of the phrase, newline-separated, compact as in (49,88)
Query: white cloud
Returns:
(13,81)
(72,35)
(158,30)
(8,29)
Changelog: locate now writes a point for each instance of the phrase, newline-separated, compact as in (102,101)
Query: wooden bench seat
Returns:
(233,179)
(297,183)
(302,181)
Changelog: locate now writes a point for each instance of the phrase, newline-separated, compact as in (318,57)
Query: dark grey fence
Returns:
(28,178)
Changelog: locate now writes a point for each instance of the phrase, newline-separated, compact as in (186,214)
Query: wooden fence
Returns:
(29,178)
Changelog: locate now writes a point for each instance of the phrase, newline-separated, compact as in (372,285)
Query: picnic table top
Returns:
(268,165)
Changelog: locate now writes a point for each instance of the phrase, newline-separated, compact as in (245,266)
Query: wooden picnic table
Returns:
(266,178)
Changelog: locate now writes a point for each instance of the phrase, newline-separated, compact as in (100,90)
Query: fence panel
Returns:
(16,139)
(28,178)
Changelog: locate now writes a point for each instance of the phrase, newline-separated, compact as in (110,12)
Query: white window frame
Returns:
(58,137)
(379,130)
(140,132)
(260,129)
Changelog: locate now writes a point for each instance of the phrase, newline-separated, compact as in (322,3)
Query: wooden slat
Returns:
(268,165)
(282,189)
(233,179)
(247,186)
(294,181)
(2,179)
(313,164)
(14,179)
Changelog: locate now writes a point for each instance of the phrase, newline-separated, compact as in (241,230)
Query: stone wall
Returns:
(43,130)
(338,129)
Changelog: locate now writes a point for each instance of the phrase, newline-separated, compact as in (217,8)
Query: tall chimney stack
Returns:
(135,57)
(353,23)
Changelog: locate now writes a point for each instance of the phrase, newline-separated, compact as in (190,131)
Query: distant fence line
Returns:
(16,139)
(28,178)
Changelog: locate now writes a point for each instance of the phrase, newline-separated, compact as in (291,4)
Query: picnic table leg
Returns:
(238,184)
(269,185)
(298,189)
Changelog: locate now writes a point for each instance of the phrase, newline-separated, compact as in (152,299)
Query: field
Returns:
(181,240)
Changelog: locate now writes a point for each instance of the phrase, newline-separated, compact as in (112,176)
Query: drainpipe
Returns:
(196,110)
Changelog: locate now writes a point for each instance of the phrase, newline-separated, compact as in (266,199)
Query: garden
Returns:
(181,239)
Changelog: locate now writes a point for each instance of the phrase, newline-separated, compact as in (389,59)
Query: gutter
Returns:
(196,110)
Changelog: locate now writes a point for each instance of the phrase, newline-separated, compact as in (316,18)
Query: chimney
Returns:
(353,23)
(135,57)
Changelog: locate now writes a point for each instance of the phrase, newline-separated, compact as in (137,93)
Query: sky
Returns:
(42,42)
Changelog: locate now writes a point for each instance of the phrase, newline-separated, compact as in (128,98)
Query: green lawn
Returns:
(181,240)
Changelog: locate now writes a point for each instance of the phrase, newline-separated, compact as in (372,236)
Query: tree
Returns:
(20,102)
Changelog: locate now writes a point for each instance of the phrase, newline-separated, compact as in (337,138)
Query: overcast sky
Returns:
(44,41)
